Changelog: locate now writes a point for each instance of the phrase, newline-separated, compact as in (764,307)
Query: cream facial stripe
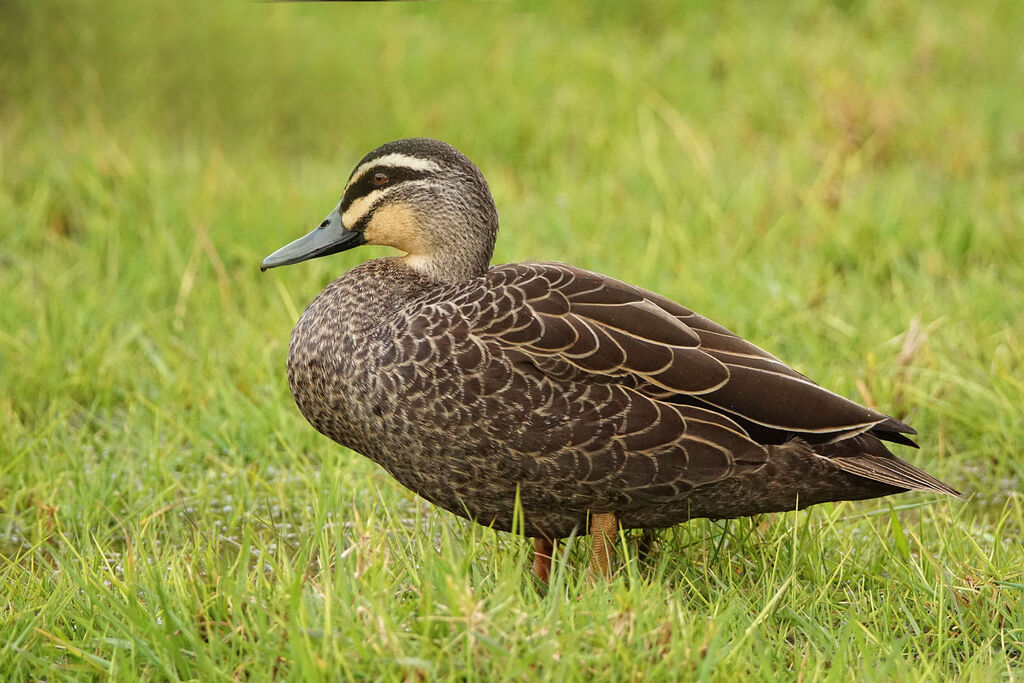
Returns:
(358,209)
(393,159)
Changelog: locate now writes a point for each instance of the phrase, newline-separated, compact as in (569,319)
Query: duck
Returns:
(549,400)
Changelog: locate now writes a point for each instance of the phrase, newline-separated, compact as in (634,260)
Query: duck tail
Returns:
(892,470)
(866,456)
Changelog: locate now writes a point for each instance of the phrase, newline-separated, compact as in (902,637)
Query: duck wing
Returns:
(576,324)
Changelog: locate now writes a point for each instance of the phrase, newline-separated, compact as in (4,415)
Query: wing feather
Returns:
(582,324)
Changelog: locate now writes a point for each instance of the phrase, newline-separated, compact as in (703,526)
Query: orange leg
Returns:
(603,528)
(543,551)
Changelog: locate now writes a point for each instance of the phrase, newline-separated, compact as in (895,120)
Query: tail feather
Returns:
(891,470)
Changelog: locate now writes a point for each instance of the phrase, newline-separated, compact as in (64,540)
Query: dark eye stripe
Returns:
(364,186)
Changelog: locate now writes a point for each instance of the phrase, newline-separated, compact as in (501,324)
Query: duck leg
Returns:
(603,528)
(543,551)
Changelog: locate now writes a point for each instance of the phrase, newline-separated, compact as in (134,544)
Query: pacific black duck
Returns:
(599,404)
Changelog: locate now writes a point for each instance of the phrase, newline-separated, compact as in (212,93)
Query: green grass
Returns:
(842,183)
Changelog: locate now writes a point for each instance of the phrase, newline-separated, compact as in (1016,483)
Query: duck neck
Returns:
(463,249)
(447,267)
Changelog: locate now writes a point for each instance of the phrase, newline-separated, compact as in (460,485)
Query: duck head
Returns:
(418,195)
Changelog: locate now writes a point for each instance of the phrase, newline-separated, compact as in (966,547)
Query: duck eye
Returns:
(379,178)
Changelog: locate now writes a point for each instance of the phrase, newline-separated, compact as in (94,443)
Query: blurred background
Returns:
(840,182)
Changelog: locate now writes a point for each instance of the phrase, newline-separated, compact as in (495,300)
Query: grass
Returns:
(842,183)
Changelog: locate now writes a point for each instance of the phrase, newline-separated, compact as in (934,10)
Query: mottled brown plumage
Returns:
(579,394)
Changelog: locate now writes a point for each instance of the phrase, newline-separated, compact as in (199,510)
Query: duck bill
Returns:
(329,237)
